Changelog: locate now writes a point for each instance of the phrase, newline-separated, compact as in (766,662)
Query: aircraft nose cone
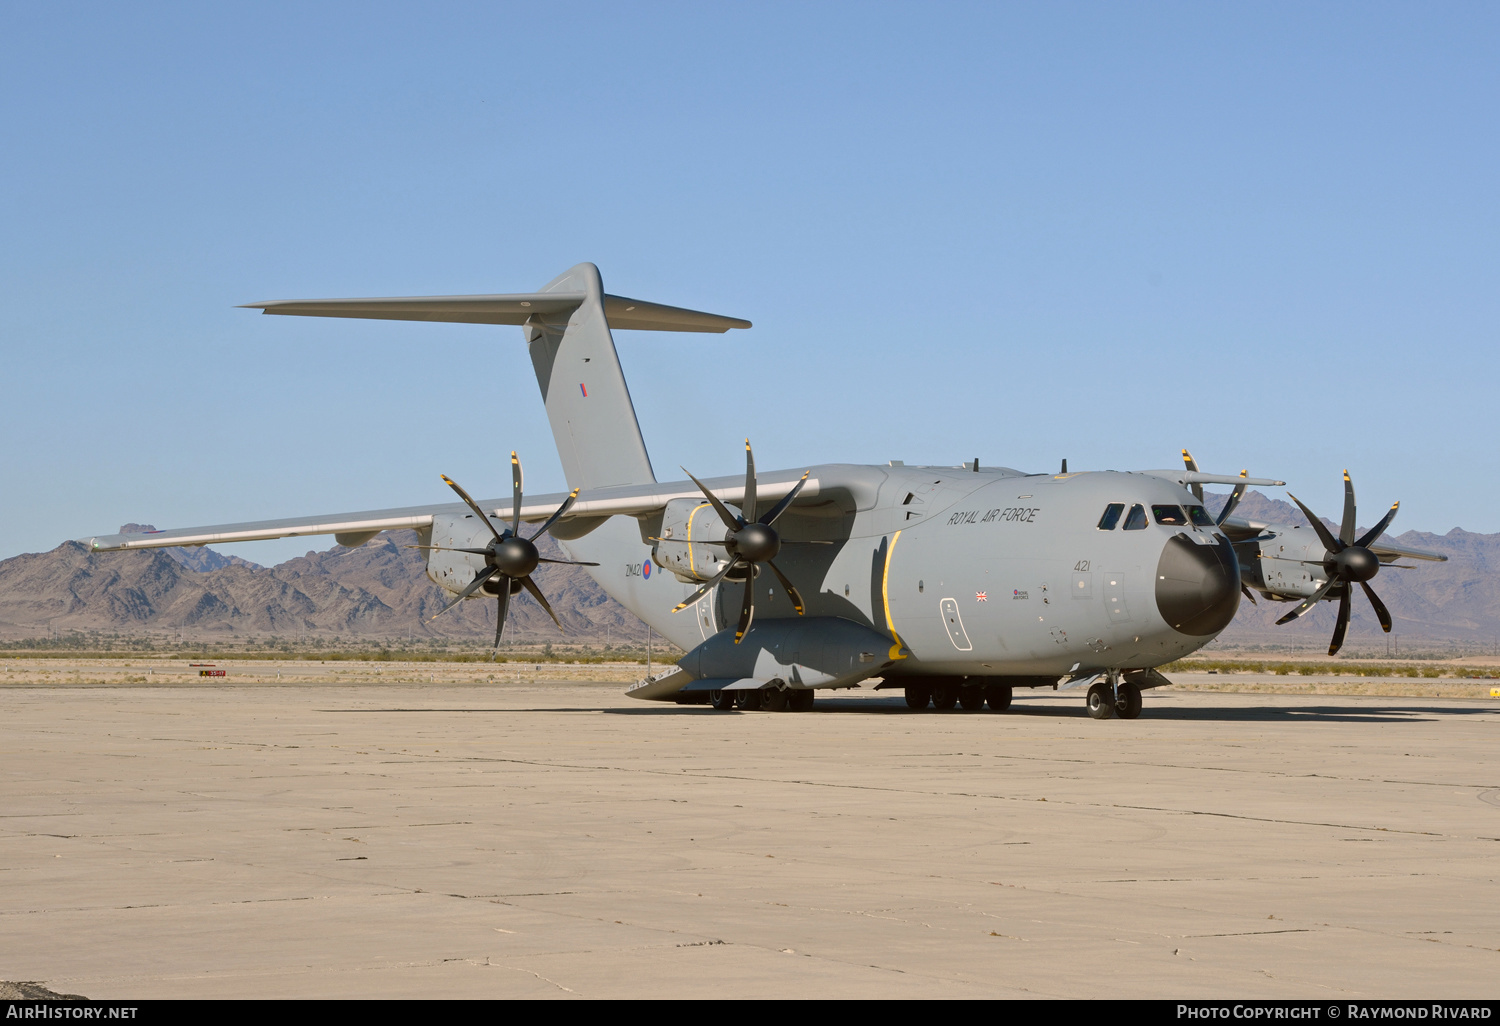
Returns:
(1197,586)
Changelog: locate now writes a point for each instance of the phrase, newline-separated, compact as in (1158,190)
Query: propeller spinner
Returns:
(508,555)
(1347,562)
(751,541)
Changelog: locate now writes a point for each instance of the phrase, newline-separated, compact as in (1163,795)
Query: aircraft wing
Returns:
(1240,529)
(356,528)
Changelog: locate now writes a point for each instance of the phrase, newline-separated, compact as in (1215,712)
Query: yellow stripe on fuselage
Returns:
(885,595)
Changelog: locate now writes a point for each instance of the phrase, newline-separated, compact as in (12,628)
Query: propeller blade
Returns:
(554,518)
(515,478)
(1233,501)
(749,504)
(786,500)
(730,521)
(536,593)
(1346,527)
(1249,595)
(695,596)
(1305,606)
(1330,543)
(747,610)
(695,541)
(791,589)
(567,562)
(443,548)
(474,586)
(472,505)
(1343,624)
(500,610)
(1192,465)
(1381,612)
(1379,529)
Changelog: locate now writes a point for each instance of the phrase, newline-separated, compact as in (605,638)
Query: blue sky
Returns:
(1020,232)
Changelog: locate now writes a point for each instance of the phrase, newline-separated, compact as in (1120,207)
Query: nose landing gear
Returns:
(1114,697)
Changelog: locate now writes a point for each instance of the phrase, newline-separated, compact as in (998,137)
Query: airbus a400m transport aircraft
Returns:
(957,583)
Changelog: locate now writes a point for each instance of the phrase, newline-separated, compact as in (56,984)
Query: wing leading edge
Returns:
(634,500)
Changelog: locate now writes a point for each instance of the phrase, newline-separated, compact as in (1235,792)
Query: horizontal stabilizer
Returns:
(620,312)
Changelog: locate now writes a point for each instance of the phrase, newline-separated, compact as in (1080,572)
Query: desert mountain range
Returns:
(380,591)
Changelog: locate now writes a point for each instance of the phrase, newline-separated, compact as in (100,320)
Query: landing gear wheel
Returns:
(1101,701)
(998,696)
(945,696)
(749,701)
(971,698)
(799,701)
(773,700)
(721,700)
(1128,705)
(918,697)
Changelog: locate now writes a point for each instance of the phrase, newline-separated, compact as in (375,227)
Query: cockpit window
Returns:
(1136,521)
(1169,516)
(1199,516)
(1111,516)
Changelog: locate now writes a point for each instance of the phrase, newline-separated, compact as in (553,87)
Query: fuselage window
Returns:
(1136,521)
(1199,516)
(1169,516)
(1111,516)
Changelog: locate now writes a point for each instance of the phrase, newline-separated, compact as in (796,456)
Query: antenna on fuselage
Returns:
(1064,470)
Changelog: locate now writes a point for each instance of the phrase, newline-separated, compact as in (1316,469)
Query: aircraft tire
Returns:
(971,697)
(944,696)
(773,700)
(749,701)
(800,700)
(917,696)
(998,696)
(721,700)
(1128,706)
(1101,701)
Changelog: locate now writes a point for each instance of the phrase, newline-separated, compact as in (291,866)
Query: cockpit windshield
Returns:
(1169,516)
(1199,516)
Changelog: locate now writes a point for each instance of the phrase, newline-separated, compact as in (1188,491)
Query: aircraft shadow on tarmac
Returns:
(1384,713)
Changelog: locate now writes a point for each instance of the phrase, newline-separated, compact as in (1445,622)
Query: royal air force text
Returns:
(1010,515)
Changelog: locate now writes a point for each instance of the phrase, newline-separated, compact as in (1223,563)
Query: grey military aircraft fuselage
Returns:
(985,573)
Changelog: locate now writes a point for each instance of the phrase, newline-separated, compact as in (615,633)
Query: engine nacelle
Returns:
(454,571)
(685,524)
(1283,563)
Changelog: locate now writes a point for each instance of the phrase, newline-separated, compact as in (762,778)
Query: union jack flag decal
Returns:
(980,596)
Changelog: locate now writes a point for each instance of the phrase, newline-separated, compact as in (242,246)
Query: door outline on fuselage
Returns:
(706,619)
(955,624)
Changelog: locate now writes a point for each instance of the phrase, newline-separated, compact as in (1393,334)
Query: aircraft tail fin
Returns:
(567,325)
(583,386)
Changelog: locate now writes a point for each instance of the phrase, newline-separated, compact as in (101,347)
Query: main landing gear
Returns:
(770,699)
(945,695)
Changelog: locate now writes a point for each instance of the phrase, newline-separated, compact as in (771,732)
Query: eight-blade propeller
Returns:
(1346,562)
(750,541)
(509,555)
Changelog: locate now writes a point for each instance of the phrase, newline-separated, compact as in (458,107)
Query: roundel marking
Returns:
(646,569)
